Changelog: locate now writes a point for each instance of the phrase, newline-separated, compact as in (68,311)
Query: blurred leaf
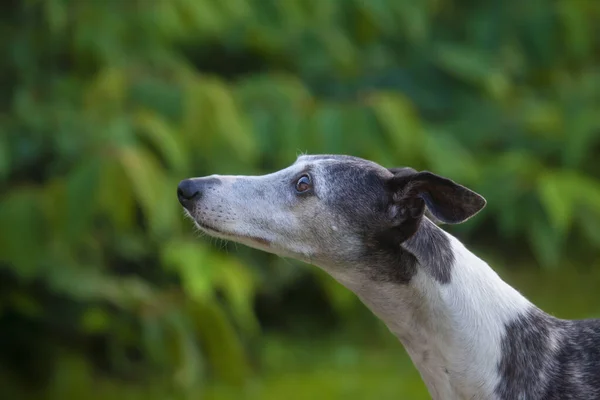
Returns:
(87,285)
(587,191)
(150,187)
(186,352)
(448,157)
(95,320)
(22,231)
(223,348)
(195,265)
(237,281)
(56,15)
(164,138)
(72,376)
(154,337)
(577,27)
(590,226)
(106,94)
(115,195)
(5,159)
(557,200)
(583,133)
(466,63)
(213,101)
(545,242)
(26,305)
(82,196)
(583,190)
(326,122)
(163,97)
(543,118)
(400,124)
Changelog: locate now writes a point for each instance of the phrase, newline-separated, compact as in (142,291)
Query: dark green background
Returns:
(106,291)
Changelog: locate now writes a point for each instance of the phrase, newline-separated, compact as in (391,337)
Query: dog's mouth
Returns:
(211,230)
(208,227)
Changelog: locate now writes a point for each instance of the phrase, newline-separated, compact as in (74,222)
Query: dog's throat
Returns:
(449,320)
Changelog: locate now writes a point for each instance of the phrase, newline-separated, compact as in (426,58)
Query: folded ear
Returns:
(446,200)
(402,171)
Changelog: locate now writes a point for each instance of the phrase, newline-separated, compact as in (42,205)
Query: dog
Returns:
(375,230)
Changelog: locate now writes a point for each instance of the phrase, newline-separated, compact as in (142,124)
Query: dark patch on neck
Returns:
(387,261)
(551,359)
(394,258)
(432,249)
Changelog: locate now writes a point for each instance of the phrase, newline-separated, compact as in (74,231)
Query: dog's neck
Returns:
(452,330)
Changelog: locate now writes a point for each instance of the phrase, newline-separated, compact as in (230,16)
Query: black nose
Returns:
(188,191)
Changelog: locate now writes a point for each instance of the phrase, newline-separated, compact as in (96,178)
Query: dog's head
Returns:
(324,208)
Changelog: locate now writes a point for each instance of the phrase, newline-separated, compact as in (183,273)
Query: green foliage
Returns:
(108,104)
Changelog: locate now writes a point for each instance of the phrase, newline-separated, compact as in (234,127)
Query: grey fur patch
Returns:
(545,358)
(433,250)
(397,266)
(393,259)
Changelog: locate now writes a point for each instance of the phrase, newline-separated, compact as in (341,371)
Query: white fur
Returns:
(456,327)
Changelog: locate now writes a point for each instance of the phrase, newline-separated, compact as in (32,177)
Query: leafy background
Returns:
(107,292)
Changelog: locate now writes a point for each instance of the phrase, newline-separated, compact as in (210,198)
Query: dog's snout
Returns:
(188,191)
(191,190)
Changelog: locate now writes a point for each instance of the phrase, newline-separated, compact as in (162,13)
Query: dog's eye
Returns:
(304,184)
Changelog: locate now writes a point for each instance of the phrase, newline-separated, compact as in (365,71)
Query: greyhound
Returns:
(375,230)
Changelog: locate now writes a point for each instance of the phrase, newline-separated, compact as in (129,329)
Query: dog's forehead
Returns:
(325,162)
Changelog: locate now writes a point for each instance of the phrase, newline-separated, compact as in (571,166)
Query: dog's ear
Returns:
(402,171)
(446,200)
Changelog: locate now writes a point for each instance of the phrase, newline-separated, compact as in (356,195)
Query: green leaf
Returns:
(81,197)
(557,200)
(5,158)
(185,352)
(154,338)
(447,156)
(151,188)
(238,284)
(566,185)
(56,15)
(400,124)
(115,195)
(464,62)
(195,265)
(579,141)
(577,28)
(587,191)
(543,118)
(590,226)
(25,304)
(327,126)
(223,347)
(95,320)
(106,94)
(87,284)
(164,138)
(212,111)
(22,231)
(544,241)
